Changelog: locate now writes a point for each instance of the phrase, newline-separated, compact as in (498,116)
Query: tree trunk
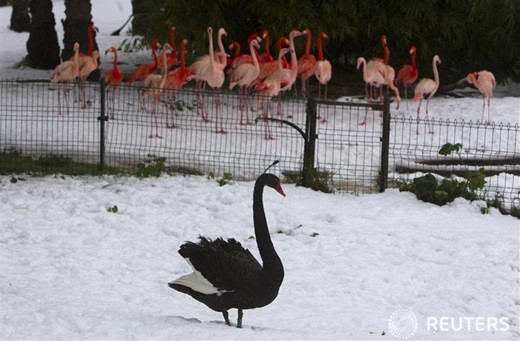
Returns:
(138,10)
(75,26)
(20,18)
(42,46)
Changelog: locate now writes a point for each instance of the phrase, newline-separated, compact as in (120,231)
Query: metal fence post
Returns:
(385,145)
(309,151)
(102,119)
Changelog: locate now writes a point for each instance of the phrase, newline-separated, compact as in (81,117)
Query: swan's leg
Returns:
(226,317)
(240,315)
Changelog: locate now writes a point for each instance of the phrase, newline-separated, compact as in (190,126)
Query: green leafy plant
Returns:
(427,188)
(153,166)
(222,181)
(113,209)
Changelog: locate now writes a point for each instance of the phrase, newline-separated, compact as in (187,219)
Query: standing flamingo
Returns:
(66,72)
(427,87)
(244,76)
(176,80)
(306,63)
(171,57)
(485,82)
(86,65)
(408,74)
(113,78)
(246,58)
(210,69)
(200,69)
(266,56)
(143,70)
(153,87)
(323,70)
(289,70)
(90,41)
(268,89)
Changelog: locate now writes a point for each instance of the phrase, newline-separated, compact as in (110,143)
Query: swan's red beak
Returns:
(279,189)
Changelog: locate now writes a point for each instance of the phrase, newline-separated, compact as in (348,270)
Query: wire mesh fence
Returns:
(205,132)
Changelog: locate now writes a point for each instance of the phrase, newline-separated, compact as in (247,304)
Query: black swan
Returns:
(225,275)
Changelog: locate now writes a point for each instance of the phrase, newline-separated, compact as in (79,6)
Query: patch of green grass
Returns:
(13,162)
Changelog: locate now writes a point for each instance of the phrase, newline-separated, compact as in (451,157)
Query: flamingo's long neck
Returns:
(308,45)
(155,59)
(165,69)
(183,53)
(222,62)
(237,49)
(172,41)
(294,60)
(265,245)
(89,38)
(387,54)
(320,47)
(414,67)
(365,71)
(211,54)
(435,72)
(115,60)
(268,53)
(253,55)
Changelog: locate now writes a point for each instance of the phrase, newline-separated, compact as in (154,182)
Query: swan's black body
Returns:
(236,279)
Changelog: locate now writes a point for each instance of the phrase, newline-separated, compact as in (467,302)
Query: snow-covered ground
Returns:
(72,270)
(69,269)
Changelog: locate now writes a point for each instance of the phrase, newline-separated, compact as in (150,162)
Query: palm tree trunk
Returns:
(75,26)
(20,18)
(42,47)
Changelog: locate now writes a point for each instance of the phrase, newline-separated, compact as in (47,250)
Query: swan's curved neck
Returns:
(271,261)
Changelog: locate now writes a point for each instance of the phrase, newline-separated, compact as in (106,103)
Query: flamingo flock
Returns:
(256,75)
(377,73)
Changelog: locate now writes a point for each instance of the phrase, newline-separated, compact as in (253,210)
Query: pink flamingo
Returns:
(306,63)
(171,57)
(244,57)
(289,72)
(323,70)
(113,78)
(153,87)
(283,40)
(235,45)
(143,70)
(266,56)
(427,87)
(386,51)
(66,72)
(86,65)
(176,79)
(370,76)
(378,60)
(200,70)
(243,76)
(90,42)
(210,69)
(408,74)
(485,82)
(268,89)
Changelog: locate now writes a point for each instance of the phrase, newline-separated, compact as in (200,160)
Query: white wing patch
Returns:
(197,282)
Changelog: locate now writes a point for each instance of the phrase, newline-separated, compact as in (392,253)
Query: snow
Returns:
(72,270)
